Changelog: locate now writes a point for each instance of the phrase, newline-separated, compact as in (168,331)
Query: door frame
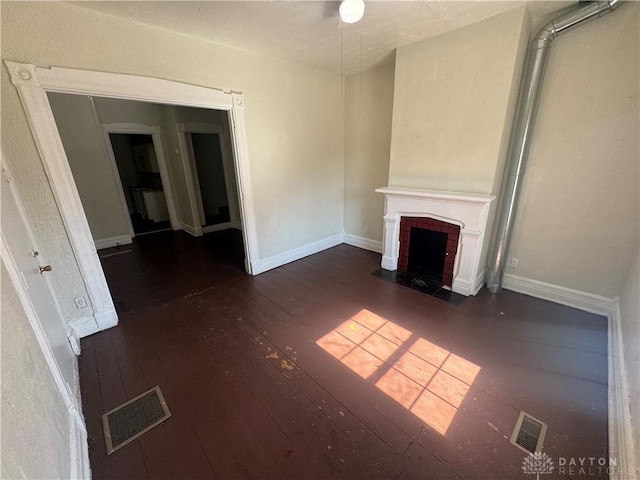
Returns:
(78,443)
(156,136)
(184,131)
(33,83)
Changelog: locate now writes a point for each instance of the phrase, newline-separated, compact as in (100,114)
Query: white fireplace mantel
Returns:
(468,210)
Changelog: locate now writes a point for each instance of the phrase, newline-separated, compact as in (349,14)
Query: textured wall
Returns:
(453,102)
(35,424)
(368,110)
(578,223)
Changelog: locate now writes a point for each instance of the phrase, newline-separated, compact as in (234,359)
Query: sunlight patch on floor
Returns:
(426,379)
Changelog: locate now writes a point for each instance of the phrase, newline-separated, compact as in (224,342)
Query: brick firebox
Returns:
(453,235)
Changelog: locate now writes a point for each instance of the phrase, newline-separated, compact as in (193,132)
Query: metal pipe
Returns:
(524,121)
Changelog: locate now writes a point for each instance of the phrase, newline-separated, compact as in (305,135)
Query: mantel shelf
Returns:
(437,194)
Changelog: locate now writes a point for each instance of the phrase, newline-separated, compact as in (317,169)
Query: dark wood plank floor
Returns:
(258,386)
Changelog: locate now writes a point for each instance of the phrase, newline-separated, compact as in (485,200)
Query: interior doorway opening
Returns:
(137,164)
(34,84)
(210,178)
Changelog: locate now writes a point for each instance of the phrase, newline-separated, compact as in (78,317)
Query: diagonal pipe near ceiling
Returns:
(524,121)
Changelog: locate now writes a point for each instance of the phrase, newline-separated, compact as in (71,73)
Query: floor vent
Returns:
(528,434)
(127,422)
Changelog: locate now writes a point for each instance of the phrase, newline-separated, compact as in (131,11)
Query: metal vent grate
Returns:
(529,433)
(127,422)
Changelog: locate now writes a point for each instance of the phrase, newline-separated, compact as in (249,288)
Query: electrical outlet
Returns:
(80,302)
(514,262)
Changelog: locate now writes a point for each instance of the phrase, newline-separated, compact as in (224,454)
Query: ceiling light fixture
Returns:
(351,11)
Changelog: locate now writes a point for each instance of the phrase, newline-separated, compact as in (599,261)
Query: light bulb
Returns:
(351,11)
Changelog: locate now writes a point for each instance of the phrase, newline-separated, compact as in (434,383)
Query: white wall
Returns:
(92,171)
(293,120)
(453,103)
(630,322)
(578,223)
(35,434)
(368,111)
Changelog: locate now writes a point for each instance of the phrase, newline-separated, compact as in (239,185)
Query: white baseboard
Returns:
(85,326)
(218,227)
(295,254)
(621,444)
(565,296)
(361,242)
(189,229)
(479,283)
(113,241)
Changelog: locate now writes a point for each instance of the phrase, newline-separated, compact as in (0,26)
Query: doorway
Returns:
(33,83)
(137,164)
(210,179)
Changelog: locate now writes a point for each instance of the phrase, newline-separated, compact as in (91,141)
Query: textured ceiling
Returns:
(310,32)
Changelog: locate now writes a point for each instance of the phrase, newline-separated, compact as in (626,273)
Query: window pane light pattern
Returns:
(426,379)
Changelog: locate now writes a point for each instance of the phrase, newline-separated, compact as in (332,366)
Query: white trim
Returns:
(85,326)
(185,144)
(33,83)
(237,126)
(45,133)
(296,253)
(193,191)
(189,229)
(218,227)
(194,179)
(557,294)
(621,444)
(361,242)
(113,241)
(78,446)
(470,211)
(158,146)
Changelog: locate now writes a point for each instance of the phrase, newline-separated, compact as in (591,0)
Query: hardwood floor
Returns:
(319,369)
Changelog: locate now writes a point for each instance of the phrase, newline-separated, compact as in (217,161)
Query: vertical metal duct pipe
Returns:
(524,120)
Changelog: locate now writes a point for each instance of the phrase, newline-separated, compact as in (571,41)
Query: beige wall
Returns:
(36,432)
(113,110)
(293,117)
(92,170)
(630,320)
(368,110)
(453,102)
(578,223)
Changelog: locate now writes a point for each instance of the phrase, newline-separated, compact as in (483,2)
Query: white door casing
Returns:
(191,173)
(18,240)
(33,83)
(56,339)
(156,136)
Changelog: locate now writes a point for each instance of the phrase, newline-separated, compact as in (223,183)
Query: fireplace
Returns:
(463,217)
(428,248)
